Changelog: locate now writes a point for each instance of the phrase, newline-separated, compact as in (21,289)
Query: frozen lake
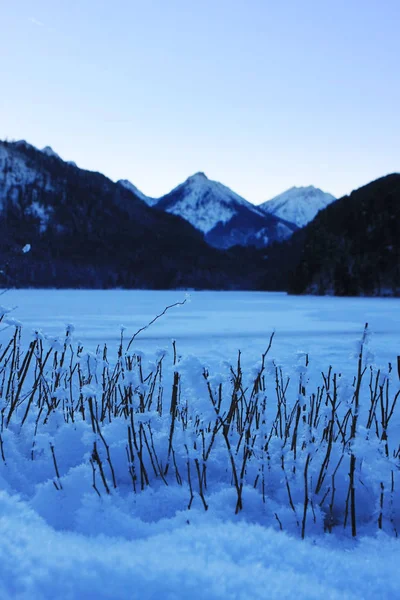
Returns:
(214,325)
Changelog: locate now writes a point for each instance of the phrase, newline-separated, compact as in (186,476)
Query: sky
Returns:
(261,95)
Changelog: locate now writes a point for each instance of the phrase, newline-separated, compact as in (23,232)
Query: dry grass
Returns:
(318,452)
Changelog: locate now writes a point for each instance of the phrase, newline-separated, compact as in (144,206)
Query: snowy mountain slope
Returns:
(29,175)
(204,203)
(97,233)
(20,169)
(223,216)
(298,205)
(16,172)
(249,229)
(132,188)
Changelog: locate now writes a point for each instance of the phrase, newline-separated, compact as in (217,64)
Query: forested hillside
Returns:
(352,247)
(86,231)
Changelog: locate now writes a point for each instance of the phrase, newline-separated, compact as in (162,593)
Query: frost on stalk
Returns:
(361,347)
(89,391)
(38,335)
(55,343)
(12,322)
(70,328)
(147,417)
(61,394)
(256,369)
(161,353)
(270,366)
(4,310)
(131,378)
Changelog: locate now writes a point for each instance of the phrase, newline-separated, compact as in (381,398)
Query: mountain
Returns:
(132,188)
(87,231)
(352,247)
(225,218)
(298,205)
(48,150)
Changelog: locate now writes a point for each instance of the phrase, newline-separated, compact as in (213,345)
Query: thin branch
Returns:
(154,320)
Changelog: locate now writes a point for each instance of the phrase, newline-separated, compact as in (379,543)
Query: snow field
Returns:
(208,558)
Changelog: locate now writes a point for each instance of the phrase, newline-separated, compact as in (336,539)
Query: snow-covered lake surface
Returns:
(214,325)
(59,539)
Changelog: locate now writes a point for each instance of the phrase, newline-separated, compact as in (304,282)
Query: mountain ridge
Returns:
(298,205)
(88,231)
(132,188)
(225,218)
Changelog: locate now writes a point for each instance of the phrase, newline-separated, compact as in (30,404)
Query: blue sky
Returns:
(259,94)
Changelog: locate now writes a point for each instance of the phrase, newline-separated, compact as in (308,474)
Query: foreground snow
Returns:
(207,559)
(67,533)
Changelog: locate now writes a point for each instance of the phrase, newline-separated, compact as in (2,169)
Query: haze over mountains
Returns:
(87,231)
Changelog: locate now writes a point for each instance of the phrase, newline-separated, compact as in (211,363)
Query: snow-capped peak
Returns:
(298,205)
(132,188)
(200,176)
(204,202)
